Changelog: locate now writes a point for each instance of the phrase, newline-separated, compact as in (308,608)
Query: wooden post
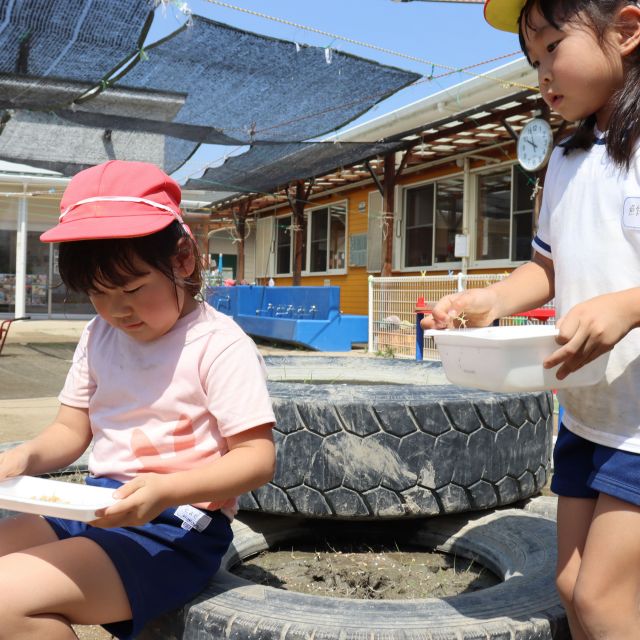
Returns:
(297,222)
(239,221)
(388,199)
(201,238)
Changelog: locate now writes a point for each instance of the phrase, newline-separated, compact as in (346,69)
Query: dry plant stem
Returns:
(462,319)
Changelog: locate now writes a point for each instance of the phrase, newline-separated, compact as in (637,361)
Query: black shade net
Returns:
(264,169)
(45,140)
(77,40)
(254,88)
(77,88)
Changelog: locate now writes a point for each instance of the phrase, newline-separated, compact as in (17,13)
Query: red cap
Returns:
(116,199)
(503,14)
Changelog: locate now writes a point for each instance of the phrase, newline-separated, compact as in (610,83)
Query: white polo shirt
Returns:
(590,227)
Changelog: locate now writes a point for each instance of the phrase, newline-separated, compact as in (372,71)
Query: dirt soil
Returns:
(92,633)
(341,569)
(363,571)
(359,571)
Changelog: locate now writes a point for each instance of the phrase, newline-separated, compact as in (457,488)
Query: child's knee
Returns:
(594,607)
(565,584)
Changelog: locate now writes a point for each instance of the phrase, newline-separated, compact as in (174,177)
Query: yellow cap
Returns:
(503,14)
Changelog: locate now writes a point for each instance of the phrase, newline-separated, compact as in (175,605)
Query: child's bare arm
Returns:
(59,444)
(249,463)
(529,286)
(594,327)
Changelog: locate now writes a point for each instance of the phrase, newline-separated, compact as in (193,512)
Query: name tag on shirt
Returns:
(192,518)
(631,213)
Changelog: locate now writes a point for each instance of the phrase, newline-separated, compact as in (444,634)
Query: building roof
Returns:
(472,117)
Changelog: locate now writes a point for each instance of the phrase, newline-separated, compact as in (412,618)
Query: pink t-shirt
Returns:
(169,404)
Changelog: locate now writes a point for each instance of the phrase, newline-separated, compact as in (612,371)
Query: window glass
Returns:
(37,291)
(327,238)
(523,201)
(305,227)
(318,244)
(283,245)
(493,219)
(449,199)
(419,226)
(7,270)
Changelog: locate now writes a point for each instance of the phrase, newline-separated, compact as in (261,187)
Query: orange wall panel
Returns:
(354,284)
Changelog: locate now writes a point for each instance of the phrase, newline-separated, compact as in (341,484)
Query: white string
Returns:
(152,203)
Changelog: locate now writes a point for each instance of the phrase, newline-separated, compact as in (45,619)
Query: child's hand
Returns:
(140,501)
(13,462)
(472,308)
(590,329)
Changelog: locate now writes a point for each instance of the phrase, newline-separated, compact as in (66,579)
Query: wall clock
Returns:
(535,144)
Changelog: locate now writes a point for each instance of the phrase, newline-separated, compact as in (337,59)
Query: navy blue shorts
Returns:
(161,565)
(584,469)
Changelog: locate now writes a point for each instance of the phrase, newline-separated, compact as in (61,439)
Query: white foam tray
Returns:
(42,496)
(508,359)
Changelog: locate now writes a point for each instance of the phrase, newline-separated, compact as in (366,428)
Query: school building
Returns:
(452,198)
(29,279)
(456,199)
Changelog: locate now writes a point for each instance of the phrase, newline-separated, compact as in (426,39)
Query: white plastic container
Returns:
(508,359)
(54,498)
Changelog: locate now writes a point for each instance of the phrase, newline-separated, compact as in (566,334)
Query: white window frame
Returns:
(439,266)
(275,243)
(308,213)
(474,262)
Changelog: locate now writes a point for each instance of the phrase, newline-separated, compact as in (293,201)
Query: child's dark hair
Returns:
(624,122)
(83,264)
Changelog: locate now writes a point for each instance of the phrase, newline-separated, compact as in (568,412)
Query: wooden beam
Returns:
(373,174)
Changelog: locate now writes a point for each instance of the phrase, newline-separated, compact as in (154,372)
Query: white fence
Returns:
(392,304)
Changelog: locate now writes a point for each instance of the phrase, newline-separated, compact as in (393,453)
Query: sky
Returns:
(451,34)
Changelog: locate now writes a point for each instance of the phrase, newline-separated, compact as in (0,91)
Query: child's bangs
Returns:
(559,12)
(98,263)
(555,12)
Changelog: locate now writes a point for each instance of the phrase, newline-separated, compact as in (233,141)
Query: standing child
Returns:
(587,256)
(173,396)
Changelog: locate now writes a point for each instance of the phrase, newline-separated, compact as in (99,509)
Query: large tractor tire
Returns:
(517,547)
(365,438)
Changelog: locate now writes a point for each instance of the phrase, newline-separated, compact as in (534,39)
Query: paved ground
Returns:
(33,367)
(34,364)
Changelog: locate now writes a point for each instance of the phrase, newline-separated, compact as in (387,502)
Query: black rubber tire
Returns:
(412,446)
(518,547)
(544,506)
